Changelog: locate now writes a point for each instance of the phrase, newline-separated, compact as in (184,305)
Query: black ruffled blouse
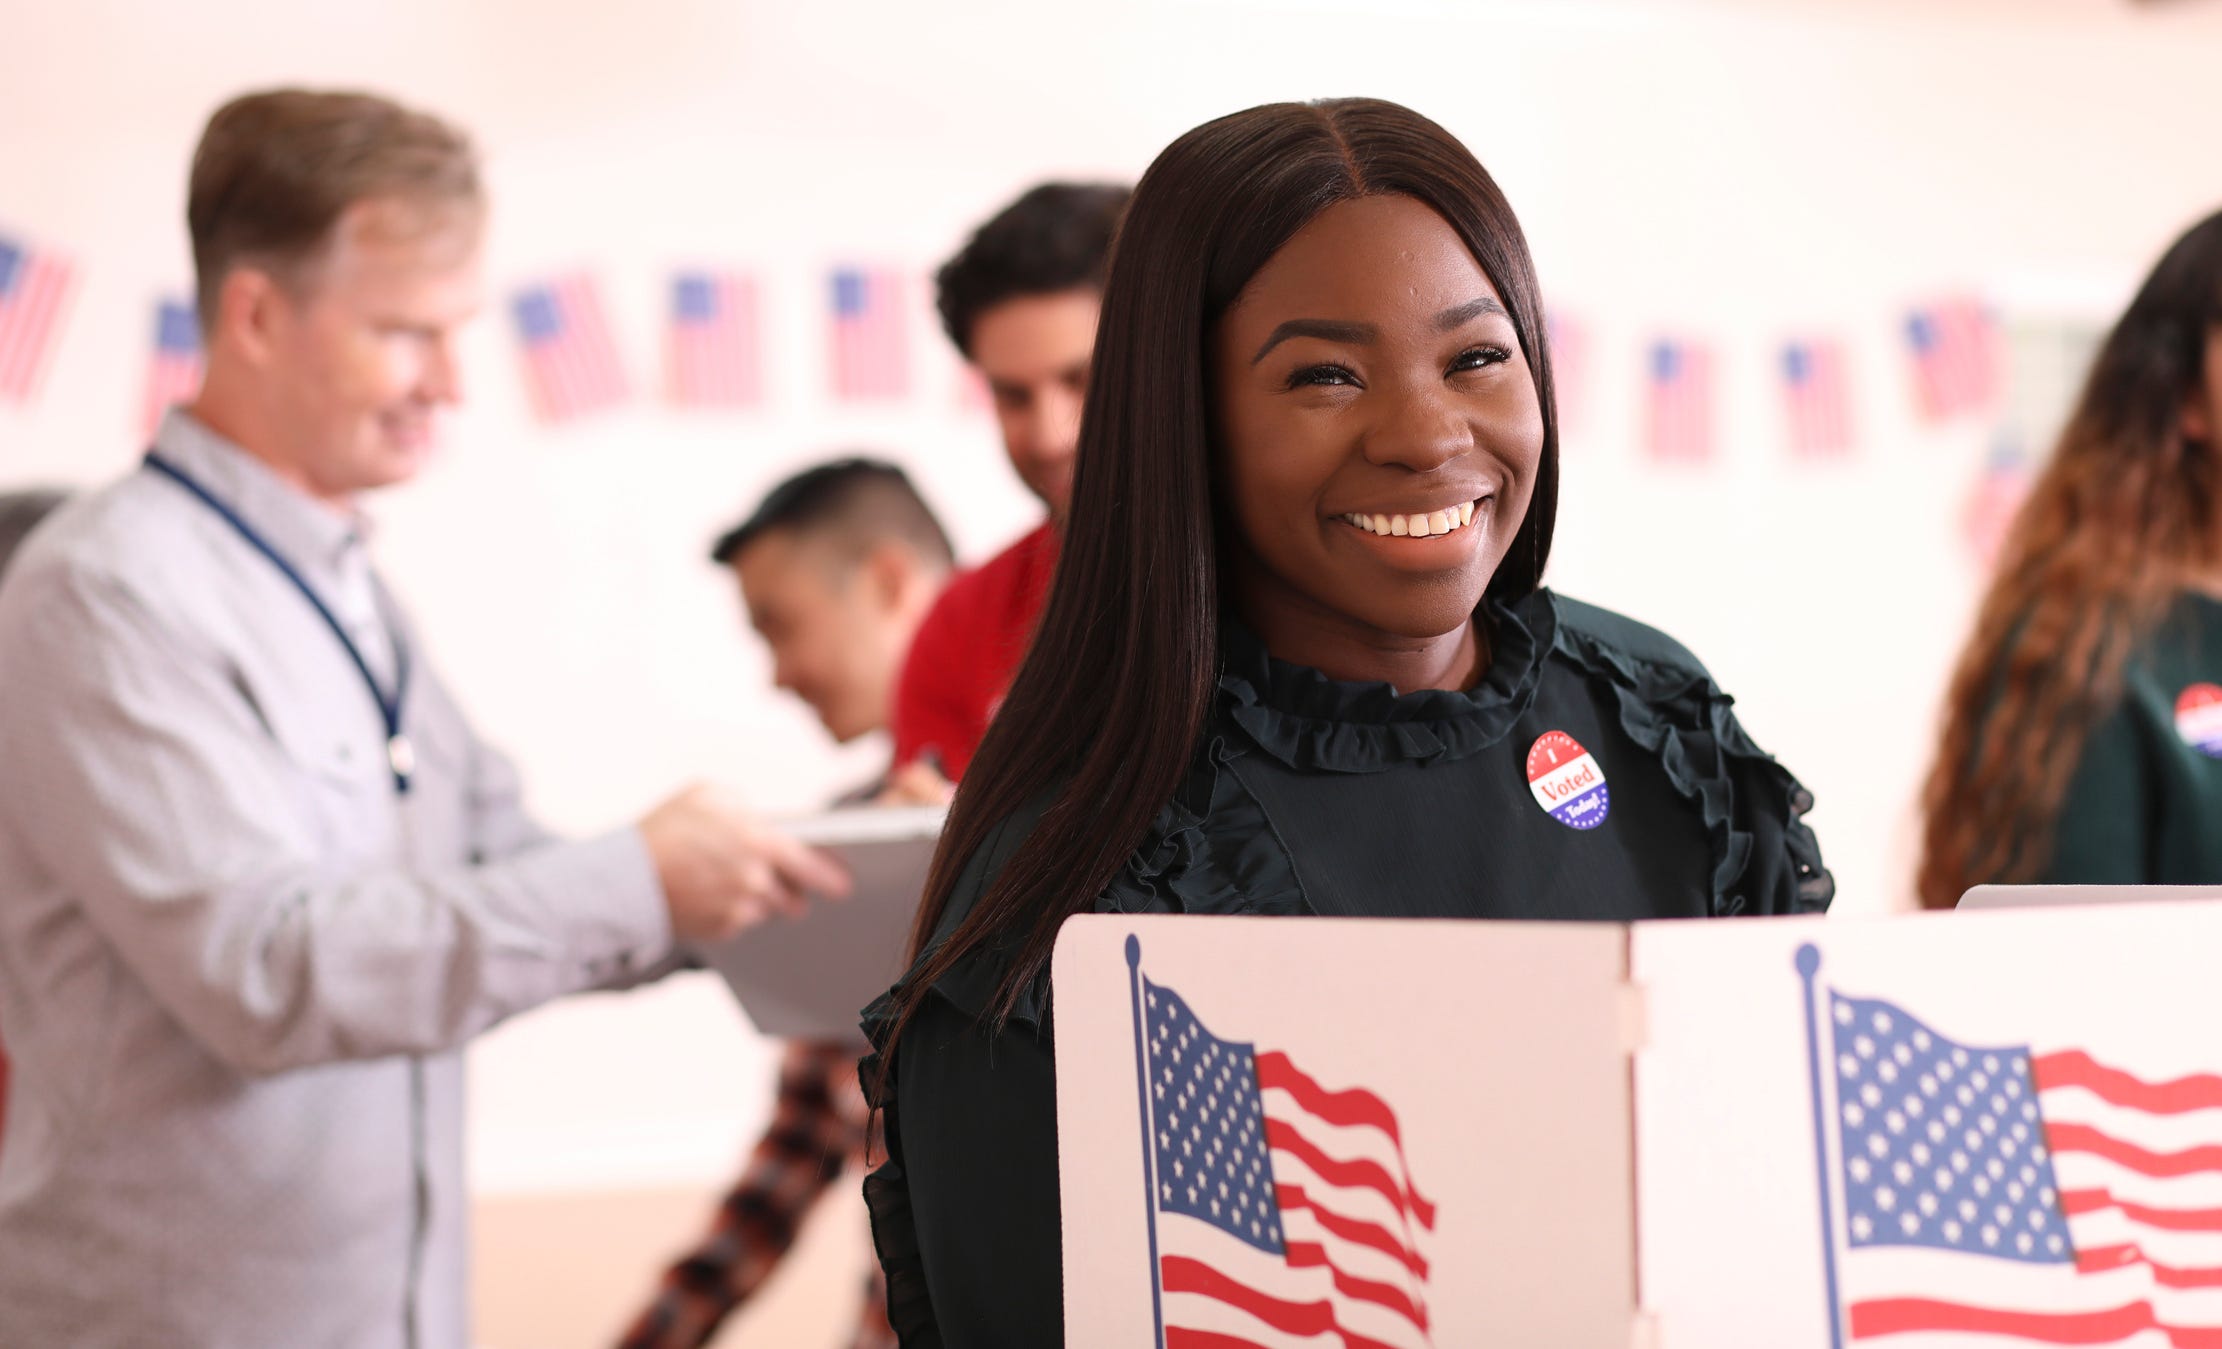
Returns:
(1311,796)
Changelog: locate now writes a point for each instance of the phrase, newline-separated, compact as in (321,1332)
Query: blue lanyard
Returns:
(400,757)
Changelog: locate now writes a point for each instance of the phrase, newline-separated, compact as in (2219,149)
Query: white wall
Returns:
(1725,168)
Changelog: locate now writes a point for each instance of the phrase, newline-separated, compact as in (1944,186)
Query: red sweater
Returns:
(964,655)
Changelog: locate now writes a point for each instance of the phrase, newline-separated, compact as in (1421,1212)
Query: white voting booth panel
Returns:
(2012,1121)
(2020,1130)
(1415,1175)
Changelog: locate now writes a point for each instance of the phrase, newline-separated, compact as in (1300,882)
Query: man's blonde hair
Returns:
(275,171)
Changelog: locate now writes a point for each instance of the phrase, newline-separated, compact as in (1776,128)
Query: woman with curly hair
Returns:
(2082,737)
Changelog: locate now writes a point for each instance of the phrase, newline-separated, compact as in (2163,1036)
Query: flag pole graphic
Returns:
(1149,1152)
(1809,965)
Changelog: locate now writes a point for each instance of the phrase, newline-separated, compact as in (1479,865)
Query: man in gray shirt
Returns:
(259,879)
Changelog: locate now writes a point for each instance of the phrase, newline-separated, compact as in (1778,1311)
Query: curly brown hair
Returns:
(2124,517)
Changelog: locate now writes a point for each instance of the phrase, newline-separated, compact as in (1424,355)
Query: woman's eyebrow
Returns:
(1331,330)
(1467,313)
(1365,334)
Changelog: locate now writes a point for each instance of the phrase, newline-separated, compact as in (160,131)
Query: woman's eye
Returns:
(1474,358)
(1321,374)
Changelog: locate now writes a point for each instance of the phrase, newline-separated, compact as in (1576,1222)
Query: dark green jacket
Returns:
(2145,804)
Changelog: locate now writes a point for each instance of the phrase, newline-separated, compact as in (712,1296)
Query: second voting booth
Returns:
(1970,1130)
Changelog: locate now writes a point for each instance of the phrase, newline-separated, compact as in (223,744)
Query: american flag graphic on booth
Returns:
(34,284)
(870,341)
(1816,396)
(1678,402)
(716,349)
(571,361)
(2016,1195)
(174,363)
(1284,1213)
(1953,345)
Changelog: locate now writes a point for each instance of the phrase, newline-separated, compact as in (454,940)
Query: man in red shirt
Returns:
(1020,300)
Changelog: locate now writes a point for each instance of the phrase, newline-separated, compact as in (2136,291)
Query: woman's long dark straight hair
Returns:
(1103,717)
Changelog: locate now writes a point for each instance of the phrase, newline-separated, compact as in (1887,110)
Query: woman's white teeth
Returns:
(1420,526)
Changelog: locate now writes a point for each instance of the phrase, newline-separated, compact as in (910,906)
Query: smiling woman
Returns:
(1296,660)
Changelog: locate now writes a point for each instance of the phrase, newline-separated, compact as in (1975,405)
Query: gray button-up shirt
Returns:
(236,968)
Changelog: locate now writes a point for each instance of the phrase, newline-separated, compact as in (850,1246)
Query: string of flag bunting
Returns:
(714,343)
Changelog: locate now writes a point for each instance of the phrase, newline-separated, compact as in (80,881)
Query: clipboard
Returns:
(809,978)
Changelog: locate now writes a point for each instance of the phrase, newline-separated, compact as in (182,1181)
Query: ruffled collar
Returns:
(1313,723)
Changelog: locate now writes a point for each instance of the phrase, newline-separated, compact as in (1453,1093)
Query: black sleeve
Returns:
(972,1141)
(1783,872)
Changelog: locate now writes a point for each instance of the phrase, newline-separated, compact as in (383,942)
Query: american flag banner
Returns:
(2017,1195)
(1993,501)
(1954,349)
(571,361)
(1569,340)
(1678,402)
(1282,1211)
(870,339)
(174,365)
(34,284)
(1817,397)
(716,350)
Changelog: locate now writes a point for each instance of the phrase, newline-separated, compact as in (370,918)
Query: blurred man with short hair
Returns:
(836,568)
(1020,300)
(260,880)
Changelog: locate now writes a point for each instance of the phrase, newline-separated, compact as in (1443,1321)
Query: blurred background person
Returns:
(836,568)
(19,512)
(1020,301)
(2082,733)
(260,878)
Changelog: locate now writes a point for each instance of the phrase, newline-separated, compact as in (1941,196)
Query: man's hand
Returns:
(723,870)
(917,783)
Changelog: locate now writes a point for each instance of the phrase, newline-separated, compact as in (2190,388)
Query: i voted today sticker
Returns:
(2199,718)
(1567,781)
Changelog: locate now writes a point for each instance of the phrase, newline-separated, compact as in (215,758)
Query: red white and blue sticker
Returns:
(2199,718)
(1568,781)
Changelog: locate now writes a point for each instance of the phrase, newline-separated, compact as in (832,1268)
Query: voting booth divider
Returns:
(1974,1129)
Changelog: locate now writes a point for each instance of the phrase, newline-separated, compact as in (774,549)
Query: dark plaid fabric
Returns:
(817,1131)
